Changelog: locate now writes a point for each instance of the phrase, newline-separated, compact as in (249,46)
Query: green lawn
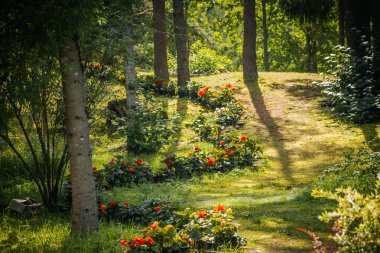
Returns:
(300,141)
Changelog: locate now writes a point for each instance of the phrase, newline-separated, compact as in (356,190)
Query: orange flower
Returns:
(243,138)
(139,162)
(103,207)
(131,169)
(210,162)
(233,89)
(232,152)
(125,204)
(201,93)
(112,203)
(206,89)
(149,240)
(196,148)
(219,208)
(112,161)
(202,214)
(221,143)
(138,241)
(96,64)
(228,85)
(157,209)
(124,243)
(226,149)
(154,226)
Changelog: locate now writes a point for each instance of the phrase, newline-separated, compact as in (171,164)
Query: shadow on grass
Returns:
(272,127)
(371,135)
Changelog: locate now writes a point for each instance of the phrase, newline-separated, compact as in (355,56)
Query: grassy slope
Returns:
(300,141)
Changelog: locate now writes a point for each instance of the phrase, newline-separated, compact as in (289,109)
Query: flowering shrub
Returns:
(159,86)
(230,114)
(192,231)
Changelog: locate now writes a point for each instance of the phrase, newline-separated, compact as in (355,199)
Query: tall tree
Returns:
(265,35)
(249,44)
(341,22)
(376,43)
(180,30)
(161,69)
(84,207)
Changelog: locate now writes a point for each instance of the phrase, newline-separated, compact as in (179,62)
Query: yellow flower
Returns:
(122,77)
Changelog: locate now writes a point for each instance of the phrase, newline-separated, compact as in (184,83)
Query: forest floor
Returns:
(300,137)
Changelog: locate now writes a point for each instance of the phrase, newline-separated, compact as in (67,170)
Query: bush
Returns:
(356,223)
(352,94)
(358,171)
(205,61)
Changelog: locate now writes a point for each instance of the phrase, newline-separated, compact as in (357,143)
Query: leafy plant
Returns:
(351,94)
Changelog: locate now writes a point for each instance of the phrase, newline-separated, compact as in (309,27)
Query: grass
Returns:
(301,139)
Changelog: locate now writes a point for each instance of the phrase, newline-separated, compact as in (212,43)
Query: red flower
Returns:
(112,203)
(124,243)
(226,149)
(131,169)
(228,85)
(196,148)
(206,88)
(233,89)
(219,208)
(124,164)
(125,204)
(226,156)
(168,164)
(154,225)
(139,162)
(202,214)
(210,162)
(232,152)
(201,93)
(103,207)
(221,143)
(157,209)
(138,241)
(167,158)
(243,138)
(112,161)
(149,240)
(94,168)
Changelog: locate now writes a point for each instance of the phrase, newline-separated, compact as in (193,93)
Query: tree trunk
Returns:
(265,36)
(84,208)
(161,69)
(130,77)
(308,49)
(357,25)
(180,30)
(376,43)
(249,44)
(341,22)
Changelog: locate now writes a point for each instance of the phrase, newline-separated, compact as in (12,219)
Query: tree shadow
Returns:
(182,106)
(272,127)
(371,135)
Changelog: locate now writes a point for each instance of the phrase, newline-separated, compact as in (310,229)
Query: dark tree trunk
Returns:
(376,43)
(84,208)
(180,30)
(161,69)
(249,44)
(265,36)
(341,22)
(357,16)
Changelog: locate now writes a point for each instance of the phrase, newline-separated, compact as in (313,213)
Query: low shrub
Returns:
(358,171)
(191,232)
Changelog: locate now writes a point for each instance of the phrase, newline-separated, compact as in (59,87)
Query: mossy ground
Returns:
(301,139)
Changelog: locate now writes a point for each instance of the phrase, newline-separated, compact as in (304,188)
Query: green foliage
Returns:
(205,61)
(356,219)
(151,127)
(358,171)
(193,231)
(351,94)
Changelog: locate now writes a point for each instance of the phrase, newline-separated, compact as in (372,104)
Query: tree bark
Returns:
(180,30)
(130,77)
(84,206)
(161,69)
(249,43)
(265,36)
(341,22)
(376,43)
(358,15)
